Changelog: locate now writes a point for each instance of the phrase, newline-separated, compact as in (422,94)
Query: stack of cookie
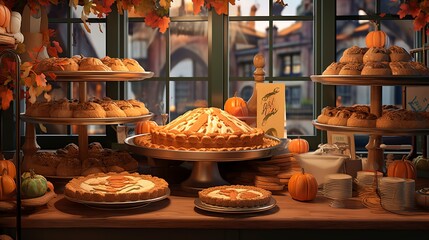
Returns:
(270,174)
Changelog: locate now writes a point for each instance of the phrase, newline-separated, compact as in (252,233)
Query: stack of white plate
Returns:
(338,187)
(409,192)
(392,193)
(367,178)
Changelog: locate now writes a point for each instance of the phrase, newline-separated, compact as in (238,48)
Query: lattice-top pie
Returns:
(116,187)
(206,129)
(235,196)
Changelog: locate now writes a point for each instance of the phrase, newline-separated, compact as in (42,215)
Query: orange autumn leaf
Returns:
(57,46)
(155,21)
(198,4)
(221,7)
(6,96)
(40,80)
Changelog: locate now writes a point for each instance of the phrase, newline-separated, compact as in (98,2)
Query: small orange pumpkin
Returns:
(376,39)
(4,17)
(145,126)
(236,106)
(9,166)
(303,186)
(298,145)
(402,169)
(7,186)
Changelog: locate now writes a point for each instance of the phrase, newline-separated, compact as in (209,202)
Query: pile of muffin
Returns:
(65,161)
(376,61)
(360,116)
(79,63)
(94,108)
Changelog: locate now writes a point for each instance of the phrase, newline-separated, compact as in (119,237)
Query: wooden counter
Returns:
(177,215)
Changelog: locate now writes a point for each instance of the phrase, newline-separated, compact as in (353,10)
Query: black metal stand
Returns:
(18,138)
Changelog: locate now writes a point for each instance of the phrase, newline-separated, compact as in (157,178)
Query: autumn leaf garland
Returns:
(419,10)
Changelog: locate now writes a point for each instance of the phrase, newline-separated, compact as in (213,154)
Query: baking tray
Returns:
(207,156)
(376,131)
(85,121)
(97,76)
(212,208)
(371,80)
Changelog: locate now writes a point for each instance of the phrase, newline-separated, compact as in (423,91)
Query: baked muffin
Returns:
(402,118)
(129,110)
(353,54)
(362,119)
(61,109)
(89,110)
(93,64)
(39,109)
(111,108)
(361,107)
(351,69)
(341,117)
(403,68)
(334,68)
(376,54)
(420,67)
(399,54)
(139,106)
(132,65)
(376,68)
(115,64)
(43,163)
(69,166)
(327,113)
(64,64)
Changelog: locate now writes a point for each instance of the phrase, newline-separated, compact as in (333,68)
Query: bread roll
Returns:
(141,107)
(39,109)
(362,119)
(403,68)
(353,54)
(115,64)
(61,109)
(351,69)
(43,163)
(44,65)
(334,68)
(327,113)
(402,118)
(129,110)
(399,54)
(64,64)
(376,54)
(376,68)
(133,65)
(69,167)
(361,107)
(110,107)
(89,110)
(93,64)
(340,118)
(420,67)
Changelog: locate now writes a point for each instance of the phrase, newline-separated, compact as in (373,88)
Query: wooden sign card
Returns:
(271,108)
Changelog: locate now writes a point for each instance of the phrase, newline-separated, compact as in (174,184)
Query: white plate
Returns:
(119,205)
(212,208)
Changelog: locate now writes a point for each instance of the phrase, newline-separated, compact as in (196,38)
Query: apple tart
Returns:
(116,187)
(206,129)
(235,196)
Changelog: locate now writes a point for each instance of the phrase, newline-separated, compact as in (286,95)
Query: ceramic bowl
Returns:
(422,197)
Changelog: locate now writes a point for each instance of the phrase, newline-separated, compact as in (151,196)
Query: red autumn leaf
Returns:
(40,80)
(420,21)
(221,7)
(155,21)
(6,96)
(57,46)
(414,8)
(198,4)
(382,15)
(403,10)
(28,82)
(51,75)
(52,51)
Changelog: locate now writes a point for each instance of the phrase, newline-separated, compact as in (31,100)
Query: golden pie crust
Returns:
(206,129)
(235,196)
(116,187)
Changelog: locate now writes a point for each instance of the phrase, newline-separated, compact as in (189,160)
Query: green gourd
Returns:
(33,185)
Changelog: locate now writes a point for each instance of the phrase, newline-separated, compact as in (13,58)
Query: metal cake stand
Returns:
(205,171)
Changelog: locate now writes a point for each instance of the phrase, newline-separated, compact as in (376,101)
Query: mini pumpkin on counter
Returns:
(298,146)
(402,169)
(421,163)
(7,186)
(236,106)
(303,186)
(33,185)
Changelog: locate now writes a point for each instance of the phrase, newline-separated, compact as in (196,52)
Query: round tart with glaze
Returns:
(116,187)
(235,196)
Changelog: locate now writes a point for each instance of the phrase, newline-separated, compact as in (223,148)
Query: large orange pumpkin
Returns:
(7,186)
(402,169)
(145,126)
(9,166)
(4,17)
(298,145)
(236,106)
(302,186)
(376,39)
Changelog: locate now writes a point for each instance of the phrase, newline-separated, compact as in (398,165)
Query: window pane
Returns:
(244,38)
(299,107)
(89,44)
(178,9)
(189,48)
(246,8)
(58,11)
(293,48)
(352,7)
(60,36)
(147,46)
(187,95)
(243,89)
(293,8)
(77,12)
(400,32)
